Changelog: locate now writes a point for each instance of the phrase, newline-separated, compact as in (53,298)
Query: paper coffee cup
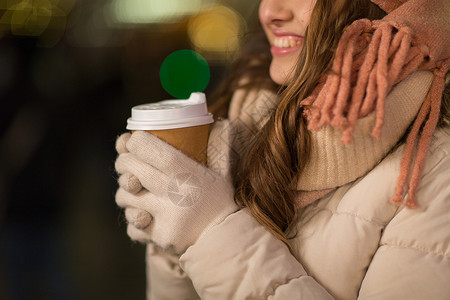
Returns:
(183,124)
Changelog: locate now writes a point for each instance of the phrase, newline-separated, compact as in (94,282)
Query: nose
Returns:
(274,12)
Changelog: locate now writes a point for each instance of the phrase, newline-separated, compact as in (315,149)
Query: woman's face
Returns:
(285,22)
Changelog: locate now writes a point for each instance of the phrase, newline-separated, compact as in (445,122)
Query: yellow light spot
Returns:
(31,19)
(216,30)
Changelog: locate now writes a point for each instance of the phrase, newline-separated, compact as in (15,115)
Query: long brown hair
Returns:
(268,170)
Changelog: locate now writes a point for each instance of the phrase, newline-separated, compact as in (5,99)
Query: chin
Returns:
(280,75)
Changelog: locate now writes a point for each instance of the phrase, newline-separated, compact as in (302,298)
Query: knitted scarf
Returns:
(373,56)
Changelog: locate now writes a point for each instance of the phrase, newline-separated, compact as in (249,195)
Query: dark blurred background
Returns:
(70,71)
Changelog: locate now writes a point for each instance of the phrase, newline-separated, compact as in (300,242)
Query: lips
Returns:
(285,43)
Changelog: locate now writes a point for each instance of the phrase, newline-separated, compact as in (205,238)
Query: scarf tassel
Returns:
(381,55)
(428,115)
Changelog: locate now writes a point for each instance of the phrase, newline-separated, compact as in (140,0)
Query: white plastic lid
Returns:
(171,114)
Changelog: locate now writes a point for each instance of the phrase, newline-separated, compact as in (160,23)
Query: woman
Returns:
(309,200)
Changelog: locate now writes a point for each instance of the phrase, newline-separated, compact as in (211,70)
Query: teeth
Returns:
(283,42)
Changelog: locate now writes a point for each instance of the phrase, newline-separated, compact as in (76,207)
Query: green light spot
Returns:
(184,72)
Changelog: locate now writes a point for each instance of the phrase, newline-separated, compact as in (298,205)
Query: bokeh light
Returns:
(216,32)
(153,11)
(184,72)
(37,18)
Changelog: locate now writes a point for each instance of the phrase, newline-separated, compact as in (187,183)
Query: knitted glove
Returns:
(169,199)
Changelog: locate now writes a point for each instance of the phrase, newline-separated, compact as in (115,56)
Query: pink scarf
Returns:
(373,56)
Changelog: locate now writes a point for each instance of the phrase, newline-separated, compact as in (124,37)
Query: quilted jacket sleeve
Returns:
(413,258)
(239,259)
(165,279)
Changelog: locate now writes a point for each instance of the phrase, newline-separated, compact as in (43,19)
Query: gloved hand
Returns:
(170,199)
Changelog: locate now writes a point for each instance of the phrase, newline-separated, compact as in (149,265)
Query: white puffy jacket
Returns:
(351,244)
